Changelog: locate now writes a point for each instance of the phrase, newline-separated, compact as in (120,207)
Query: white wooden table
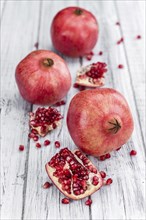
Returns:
(23,173)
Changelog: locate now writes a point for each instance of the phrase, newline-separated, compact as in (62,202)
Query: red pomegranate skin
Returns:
(74,31)
(39,83)
(92,124)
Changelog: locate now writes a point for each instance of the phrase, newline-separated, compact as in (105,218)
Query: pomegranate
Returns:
(91,75)
(44,120)
(43,77)
(74,174)
(74,31)
(99,121)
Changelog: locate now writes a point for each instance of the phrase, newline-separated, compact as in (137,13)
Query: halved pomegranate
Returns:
(44,120)
(91,75)
(74,174)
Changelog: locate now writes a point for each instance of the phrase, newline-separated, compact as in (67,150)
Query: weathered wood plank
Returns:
(19,35)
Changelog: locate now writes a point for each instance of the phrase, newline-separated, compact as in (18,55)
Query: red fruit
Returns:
(91,75)
(38,145)
(21,147)
(99,121)
(46,142)
(133,152)
(88,202)
(47,185)
(43,77)
(57,144)
(65,201)
(44,120)
(109,181)
(74,31)
(74,174)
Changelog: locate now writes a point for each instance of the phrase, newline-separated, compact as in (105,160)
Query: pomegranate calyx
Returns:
(48,62)
(78,11)
(115,126)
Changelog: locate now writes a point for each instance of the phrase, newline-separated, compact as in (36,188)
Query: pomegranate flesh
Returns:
(91,75)
(74,174)
(99,121)
(74,31)
(44,120)
(43,77)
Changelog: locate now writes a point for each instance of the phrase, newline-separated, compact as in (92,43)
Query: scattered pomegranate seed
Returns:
(118,23)
(109,181)
(120,66)
(102,158)
(60,103)
(47,185)
(118,148)
(107,156)
(89,57)
(103,174)
(75,85)
(47,142)
(138,37)
(91,53)
(120,41)
(88,202)
(31,135)
(57,144)
(133,152)
(36,45)
(65,201)
(38,145)
(100,53)
(35,138)
(21,147)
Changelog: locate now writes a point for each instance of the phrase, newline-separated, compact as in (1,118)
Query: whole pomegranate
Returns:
(74,31)
(99,121)
(43,77)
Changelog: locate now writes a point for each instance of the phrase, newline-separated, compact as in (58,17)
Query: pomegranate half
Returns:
(74,174)
(74,31)
(99,121)
(43,77)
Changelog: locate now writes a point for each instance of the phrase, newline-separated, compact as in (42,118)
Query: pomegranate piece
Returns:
(43,121)
(91,75)
(133,152)
(47,142)
(57,144)
(65,201)
(74,174)
(88,202)
(21,147)
(47,185)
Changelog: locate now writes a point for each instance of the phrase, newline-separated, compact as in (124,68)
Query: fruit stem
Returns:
(48,62)
(78,11)
(115,126)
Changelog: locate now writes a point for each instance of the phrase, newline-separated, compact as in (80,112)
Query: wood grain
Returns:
(23,173)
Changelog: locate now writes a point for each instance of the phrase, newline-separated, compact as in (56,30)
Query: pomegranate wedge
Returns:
(91,75)
(74,174)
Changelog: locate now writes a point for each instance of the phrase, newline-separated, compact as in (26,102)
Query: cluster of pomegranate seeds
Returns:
(65,201)
(100,53)
(47,185)
(118,23)
(97,70)
(104,157)
(133,152)
(120,66)
(89,55)
(43,121)
(120,41)
(88,202)
(138,37)
(103,174)
(109,181)
(47,142)
(57,144)
(38,145)
(21,147)
(60,103)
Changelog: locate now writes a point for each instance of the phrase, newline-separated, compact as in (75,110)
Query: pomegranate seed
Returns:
(89,57)
(109,181)
(57,144)
(102,158)
(36,45)
(118,148)
(21,147)
(107,156)
(138,37)
(120,66)
(34,131)
(63,102)
(103,174)
(35,138)
(75,85)
(31,135)
(47,185)
(120,41)
(88,202)
(133,152)
(38,145)
(100,53)
(118,23)
(65,201)
(46,142)
(91,53)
